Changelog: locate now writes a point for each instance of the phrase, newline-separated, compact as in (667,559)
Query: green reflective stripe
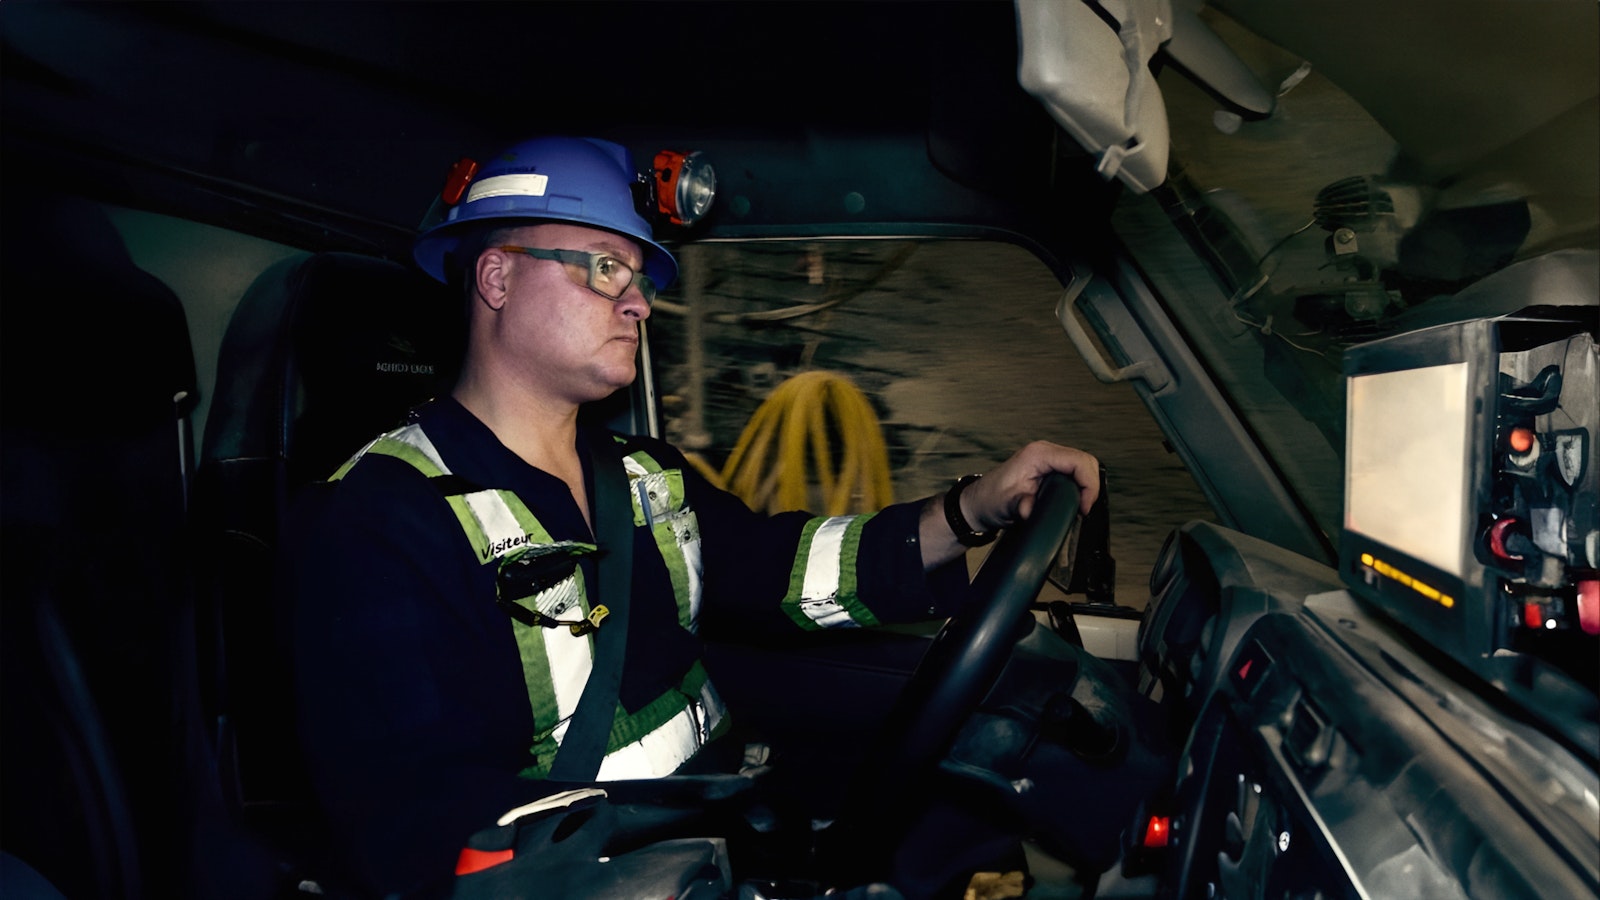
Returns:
(849,583)
(644,461)
(626,729)
(557,664)
(673,554)
(541,694)
(797,578)
(663,488)
(469,523)
(506,523)
(408,444)
(823,587)
(673,526)
(351,462)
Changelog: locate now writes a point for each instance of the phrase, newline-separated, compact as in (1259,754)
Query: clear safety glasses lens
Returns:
(606,275)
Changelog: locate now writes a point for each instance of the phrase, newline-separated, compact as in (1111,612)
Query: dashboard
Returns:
(1328,754)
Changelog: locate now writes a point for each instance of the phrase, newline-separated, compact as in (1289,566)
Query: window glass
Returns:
(952,345)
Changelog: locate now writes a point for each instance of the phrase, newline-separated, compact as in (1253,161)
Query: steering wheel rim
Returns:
(951,680)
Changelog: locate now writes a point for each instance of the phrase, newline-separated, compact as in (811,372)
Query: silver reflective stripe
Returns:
(663,750)
(571,661)
(654,497)
(516,184)
(498,522)
(412,434)
(655,501)
(688,536)
(819,597)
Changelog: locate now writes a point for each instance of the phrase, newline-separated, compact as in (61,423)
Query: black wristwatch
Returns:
(958,522)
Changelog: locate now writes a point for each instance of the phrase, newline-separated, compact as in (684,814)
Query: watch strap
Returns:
(957,521)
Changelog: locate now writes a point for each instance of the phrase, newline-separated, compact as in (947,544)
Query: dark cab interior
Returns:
(147,733)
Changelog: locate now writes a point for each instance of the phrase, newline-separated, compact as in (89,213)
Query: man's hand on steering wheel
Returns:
(1004,497)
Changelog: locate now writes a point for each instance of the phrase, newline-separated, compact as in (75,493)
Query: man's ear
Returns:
(491,277)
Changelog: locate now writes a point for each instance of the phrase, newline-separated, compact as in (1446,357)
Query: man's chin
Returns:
(617,382)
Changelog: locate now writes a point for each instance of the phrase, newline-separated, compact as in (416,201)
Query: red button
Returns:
(1532,615)
(1522,439)
(1155,833)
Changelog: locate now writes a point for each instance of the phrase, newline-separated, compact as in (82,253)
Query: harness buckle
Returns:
(591,622)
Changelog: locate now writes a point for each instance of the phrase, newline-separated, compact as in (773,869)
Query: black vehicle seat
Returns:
(96,382)
(324,352)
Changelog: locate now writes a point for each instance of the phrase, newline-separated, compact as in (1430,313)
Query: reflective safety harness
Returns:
(554,621)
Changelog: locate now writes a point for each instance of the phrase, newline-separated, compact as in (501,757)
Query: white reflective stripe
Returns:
(820,592)
(663,750)
(526,184)
(412,434)
(654,495)
(499,523)
(634,468)
(714,710)
(691,557)
(559,599)
(570,664)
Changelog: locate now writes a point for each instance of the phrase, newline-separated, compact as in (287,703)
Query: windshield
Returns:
(1279,243)
(794,356)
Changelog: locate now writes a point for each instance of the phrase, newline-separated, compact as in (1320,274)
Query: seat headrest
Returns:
(82,327)
(324,352)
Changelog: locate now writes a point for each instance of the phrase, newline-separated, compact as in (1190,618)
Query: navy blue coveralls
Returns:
(414,711)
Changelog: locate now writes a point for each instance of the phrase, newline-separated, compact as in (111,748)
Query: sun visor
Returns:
(1089,65)
(1088,62)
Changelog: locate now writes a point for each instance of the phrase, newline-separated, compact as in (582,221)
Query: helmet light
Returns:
(683,185)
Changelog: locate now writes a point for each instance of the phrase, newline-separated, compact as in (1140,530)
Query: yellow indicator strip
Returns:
(1418,585)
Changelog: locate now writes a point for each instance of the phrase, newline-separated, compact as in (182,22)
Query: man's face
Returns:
(556,335)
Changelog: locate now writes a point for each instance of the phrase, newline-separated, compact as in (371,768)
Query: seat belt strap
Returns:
(584,745)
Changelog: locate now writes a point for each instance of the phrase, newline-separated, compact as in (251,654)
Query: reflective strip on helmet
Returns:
(822,585)
(659,503)
(520,184)
(662,749)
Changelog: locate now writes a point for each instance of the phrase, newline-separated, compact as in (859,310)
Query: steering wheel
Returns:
(953,677)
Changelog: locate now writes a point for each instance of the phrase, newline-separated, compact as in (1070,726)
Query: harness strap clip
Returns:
(591,622)
(532,617)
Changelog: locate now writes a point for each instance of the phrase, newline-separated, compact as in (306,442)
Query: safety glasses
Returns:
(607,276)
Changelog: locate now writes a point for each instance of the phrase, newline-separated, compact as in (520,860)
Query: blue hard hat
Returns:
(585,181)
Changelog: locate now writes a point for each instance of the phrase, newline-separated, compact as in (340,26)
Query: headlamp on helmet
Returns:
(682,186)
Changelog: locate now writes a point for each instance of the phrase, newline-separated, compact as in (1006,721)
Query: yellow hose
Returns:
(784,459)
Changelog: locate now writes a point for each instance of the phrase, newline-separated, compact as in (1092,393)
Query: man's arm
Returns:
(1004,496)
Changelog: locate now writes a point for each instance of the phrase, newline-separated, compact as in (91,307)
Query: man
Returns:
(446,577)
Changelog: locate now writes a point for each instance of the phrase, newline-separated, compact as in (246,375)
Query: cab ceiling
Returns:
(349,114)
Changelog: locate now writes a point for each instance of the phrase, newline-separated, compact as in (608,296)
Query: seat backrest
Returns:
(324,352)
(97,379)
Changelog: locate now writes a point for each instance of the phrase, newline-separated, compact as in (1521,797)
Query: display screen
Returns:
(1406,462)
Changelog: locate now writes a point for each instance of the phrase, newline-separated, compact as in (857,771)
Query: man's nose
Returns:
(632,303)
